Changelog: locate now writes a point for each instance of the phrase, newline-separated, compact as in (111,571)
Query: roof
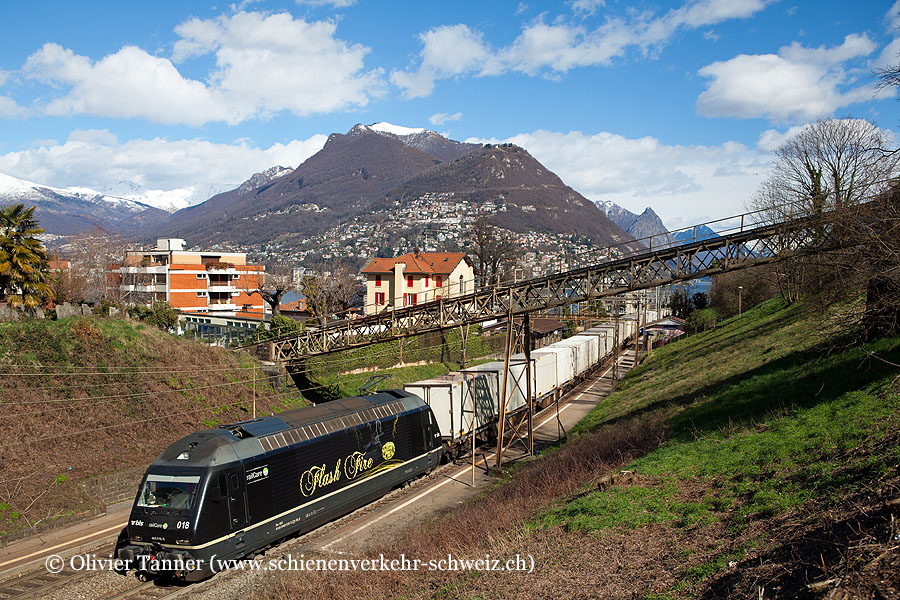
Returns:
(666,322)
(429,263)
(539,325)
(249,439)
(295,306)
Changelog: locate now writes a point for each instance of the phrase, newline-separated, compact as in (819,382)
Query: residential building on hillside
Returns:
(415,278)
(221,283)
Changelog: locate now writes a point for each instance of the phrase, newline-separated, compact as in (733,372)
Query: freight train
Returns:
(466,403)
(224,493)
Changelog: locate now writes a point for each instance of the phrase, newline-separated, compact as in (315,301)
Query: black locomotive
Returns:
(223,493)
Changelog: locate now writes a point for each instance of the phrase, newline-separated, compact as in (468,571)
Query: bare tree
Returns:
(830,163)
(272,284)
(68,284)
(329,292)
(93,254)
(494,249)
(840,165)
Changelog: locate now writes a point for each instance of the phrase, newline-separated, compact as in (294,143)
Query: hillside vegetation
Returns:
(81,397)
(759,459)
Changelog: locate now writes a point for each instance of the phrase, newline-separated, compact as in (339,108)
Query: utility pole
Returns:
(526,318)
(616,338)
(254,392)
(637,329)
(740,298)
(502,420)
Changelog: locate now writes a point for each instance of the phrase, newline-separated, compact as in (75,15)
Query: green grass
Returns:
(759,412)
(397,378)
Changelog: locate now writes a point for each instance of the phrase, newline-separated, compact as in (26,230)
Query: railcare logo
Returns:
(257,474)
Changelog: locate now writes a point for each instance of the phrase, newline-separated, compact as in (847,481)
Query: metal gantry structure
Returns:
(735,247)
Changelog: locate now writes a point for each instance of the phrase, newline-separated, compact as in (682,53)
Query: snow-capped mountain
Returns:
(430,142)
(258,180)
(19,190)
(74,209)
(167,200)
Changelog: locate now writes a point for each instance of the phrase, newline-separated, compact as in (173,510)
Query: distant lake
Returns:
(290,297)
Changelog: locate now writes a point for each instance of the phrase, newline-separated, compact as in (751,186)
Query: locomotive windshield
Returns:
(169,491)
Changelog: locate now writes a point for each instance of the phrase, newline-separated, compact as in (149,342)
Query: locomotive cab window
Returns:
(169,491)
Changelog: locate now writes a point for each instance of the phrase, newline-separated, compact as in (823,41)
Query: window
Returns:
(201,294)
(462,285)
(168,491)
(378,281)
(438,281)
(409,281)
(427,281)
(379,297)
(201,275)
(409,299)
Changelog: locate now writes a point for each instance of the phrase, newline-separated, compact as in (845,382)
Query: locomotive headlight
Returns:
(182,541)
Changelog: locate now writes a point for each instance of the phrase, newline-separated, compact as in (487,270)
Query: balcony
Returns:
(218,286)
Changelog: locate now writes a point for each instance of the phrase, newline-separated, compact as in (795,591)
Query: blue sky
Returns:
(668,104)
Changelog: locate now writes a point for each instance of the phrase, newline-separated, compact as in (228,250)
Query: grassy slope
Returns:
(764,461)
(442,352)
(764,426)
(85,396)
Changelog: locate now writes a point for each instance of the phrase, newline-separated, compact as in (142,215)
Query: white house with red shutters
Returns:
(416,278)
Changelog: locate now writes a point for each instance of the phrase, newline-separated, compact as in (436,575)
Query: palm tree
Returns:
(24,270)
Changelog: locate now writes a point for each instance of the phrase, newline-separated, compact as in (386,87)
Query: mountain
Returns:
(371,174)
(687,236)
(525,194)
(429,142)
(66,211)
(338,183)
(638,226)
(167,200)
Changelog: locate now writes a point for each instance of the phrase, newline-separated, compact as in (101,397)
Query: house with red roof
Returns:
(416,278)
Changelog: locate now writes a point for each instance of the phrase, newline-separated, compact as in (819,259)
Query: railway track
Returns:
(41,583)
(38,584)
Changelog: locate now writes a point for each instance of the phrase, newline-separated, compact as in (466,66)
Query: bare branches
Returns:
(494,250)
(271,284)
(329,292)
(841,165)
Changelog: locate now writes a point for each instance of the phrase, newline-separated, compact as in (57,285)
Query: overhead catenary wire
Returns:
(147,420)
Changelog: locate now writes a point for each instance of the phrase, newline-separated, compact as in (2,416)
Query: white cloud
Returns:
(890,55)
(893,16)
(448,51)
(441,118)
(586,7)
(265,64)
(332,3)
(771,139)
(550,49)
(683,184)
(127,84)
(94,158)
(270,63)
(796,84)
(9,109)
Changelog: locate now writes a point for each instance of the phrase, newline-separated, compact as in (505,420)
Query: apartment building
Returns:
(415,278)
(219,283)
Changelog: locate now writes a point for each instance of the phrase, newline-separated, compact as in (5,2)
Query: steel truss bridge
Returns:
(736,246)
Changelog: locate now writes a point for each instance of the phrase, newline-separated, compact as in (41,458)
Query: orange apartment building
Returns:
(216,283)
(415,278)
